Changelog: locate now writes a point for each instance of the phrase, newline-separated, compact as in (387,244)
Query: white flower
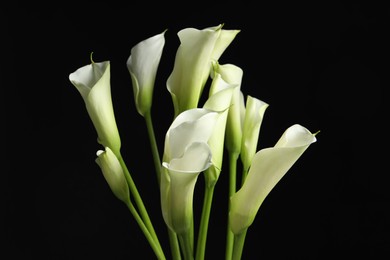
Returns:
(142,65)
(268,167)
(254,113)
(93,83)
(193,63)
(233,75)
(219,99)
(113,173)
(186,154)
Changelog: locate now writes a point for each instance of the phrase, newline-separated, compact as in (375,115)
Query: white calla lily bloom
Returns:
(93,83)
(186,154)
(220,96)
(193,63)
(142,64)
(113,173)
(254,113)
(268,166)
(233,75)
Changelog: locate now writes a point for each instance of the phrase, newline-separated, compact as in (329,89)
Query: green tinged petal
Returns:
(113,173)
(197,50)
(219,100)
(93,83)
(186,154)
(254,113)
(142,64)
(233,75)
(268,167)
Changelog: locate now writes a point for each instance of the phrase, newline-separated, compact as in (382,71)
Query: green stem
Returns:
(153,144)
(138,200)
(185,244)
(233,157)
(239,241)
(174,243)
(156,248)
(204,222)
(173,240)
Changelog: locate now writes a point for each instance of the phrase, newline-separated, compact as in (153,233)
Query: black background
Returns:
(324,66)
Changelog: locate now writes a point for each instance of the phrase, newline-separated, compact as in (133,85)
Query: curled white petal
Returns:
(194,125)
(197,50)
(142,64)
(93,83)
(186,154)
(268,167)
(254,113)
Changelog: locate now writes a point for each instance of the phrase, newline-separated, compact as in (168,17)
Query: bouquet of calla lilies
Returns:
(196,142)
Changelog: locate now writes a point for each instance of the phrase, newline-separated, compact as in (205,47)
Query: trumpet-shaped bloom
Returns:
(254,113)
(220,96)
(268,167)
(186,154)
(93,83)
(233,75)
(142,65)
(113,173)
(192,67)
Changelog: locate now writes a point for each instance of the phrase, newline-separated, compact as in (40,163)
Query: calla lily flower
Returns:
(142,65)
(192,67)
(254,113)
(268,167)
(233,75)
(93,83)
(113,173)
(220,96)
(186,154)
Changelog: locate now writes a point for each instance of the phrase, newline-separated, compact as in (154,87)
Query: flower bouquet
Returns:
(200,136)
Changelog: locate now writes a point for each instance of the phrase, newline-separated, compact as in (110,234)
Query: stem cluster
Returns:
(182,245)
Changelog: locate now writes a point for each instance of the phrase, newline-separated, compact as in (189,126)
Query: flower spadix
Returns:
(93,83)
(268,166)
(192,65)
(113,173)
(186,154)
(143,64)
